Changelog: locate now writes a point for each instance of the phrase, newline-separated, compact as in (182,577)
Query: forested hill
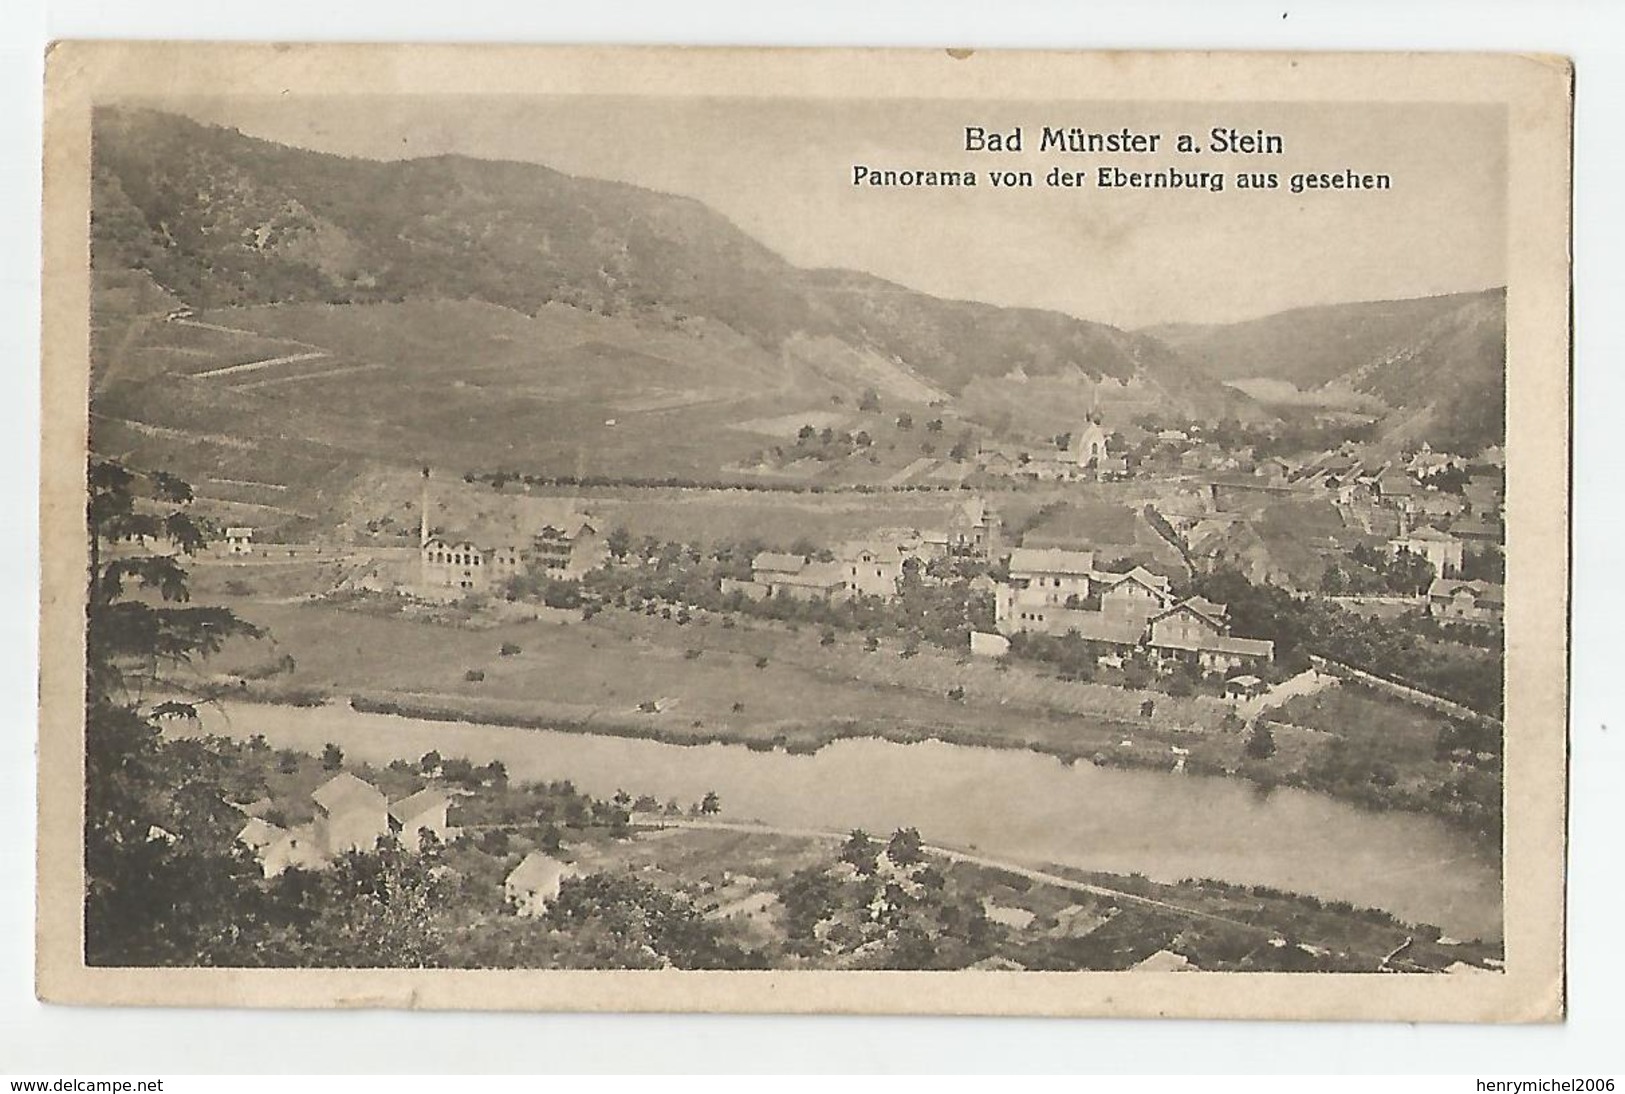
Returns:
(222,219)
(1439,360)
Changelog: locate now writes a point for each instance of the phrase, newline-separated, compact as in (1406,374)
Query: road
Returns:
(1044,877)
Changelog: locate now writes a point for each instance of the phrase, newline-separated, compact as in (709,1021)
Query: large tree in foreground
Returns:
(165,882)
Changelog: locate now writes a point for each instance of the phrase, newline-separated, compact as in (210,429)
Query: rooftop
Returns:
(345,791)
(1051,560)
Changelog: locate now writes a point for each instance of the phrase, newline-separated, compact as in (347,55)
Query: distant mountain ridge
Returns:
(221,219)
(1440,359)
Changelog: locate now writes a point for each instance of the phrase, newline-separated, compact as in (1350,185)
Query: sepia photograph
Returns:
(621,520)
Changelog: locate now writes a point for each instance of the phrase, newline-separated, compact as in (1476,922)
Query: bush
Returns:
(473,676)
(510,649)
(1260,743)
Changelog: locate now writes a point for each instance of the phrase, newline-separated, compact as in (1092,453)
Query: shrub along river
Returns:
(1019,806)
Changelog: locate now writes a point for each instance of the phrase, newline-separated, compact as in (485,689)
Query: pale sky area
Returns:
(781,169)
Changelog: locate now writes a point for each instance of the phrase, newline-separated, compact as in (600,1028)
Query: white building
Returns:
(535,883)
(1441,549)
(239,540)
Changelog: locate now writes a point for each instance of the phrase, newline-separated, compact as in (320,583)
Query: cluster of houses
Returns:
(353,815)
(872,566)
(1059,592)
(350,815)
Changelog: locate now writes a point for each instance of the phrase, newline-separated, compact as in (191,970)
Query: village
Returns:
(1133,639)
(1418,532)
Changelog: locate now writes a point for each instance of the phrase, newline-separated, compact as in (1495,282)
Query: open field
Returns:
(704,681)
(768,685)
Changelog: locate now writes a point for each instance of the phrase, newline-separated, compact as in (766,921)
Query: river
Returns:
(1011,804)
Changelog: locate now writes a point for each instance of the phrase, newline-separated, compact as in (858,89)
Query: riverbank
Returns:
(1016,804)
(772,687)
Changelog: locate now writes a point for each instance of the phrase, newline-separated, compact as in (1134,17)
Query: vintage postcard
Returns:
(796,530)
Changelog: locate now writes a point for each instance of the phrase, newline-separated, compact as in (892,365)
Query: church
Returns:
(1089,444)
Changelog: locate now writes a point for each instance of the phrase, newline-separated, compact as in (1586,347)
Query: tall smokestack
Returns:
(423,511)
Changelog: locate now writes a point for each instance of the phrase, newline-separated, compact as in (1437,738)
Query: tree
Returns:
(860,852)
(1260,743)
(619,542)
(711,804)
(870,400)
(1410,573)
(332,757)
(1333,582)
(165,881)
(376,909)
(905,421)
(905,848)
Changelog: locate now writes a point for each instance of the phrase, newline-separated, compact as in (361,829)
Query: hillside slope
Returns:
(1439,360)
(221,220)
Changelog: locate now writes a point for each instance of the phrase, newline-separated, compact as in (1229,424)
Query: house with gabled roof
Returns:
(1197,632)
(351,814)
(418,813)
(1453,600)
(1396,490)
(775,573)
(973,528)
(1133,597)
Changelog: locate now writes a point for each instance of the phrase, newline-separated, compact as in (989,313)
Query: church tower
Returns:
(1089,443)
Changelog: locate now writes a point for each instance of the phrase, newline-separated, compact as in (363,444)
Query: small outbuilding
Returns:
(1244,687)
(535,882)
